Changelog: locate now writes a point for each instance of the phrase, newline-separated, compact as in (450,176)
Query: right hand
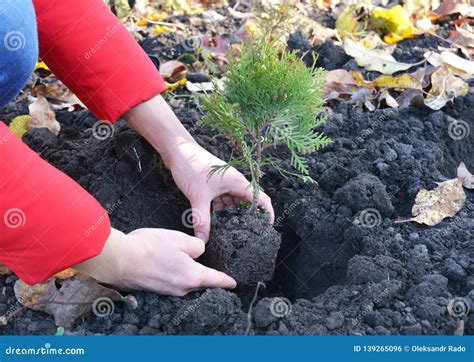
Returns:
(156,260)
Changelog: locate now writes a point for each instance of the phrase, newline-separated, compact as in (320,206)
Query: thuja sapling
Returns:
(270,99)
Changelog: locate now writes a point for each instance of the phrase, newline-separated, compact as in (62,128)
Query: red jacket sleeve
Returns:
(47,221)
(88,48)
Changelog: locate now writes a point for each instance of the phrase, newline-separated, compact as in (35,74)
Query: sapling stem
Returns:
(269,98)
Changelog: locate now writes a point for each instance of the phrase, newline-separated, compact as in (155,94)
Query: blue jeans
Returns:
(18,46)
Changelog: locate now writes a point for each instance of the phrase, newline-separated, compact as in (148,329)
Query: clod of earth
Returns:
(243,245)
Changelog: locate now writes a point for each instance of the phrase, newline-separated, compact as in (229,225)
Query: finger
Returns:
(245,191)
(192,246)
(217,204)
(211,278)
(201,210)
(228,200)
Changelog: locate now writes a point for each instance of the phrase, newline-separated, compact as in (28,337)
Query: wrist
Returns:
(158,124)
(110,265)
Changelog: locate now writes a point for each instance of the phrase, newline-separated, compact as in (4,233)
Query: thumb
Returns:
(201,211)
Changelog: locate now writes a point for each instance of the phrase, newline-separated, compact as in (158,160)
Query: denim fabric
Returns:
(18,46)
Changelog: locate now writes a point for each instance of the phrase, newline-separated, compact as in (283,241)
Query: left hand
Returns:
(190,167)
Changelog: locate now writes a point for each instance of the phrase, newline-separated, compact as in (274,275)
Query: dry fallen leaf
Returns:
(340,84)
(19,125)
(403,81)
(351,21)
(387,97)
(445,86)
(466,177)
(449,7)
(173,71)
(57,94)
(457,65)
(463,36)
(66,273)
(393,23)
(75,299)
(42,116)
(4,269)
(431,207)
(374,59)
(170,87)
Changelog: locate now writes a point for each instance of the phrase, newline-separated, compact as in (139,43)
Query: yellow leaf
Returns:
(161,29)
(142,22)
(351,21)
(431,207)
(19,125)
(173,86)
(65,274)
(42,66)
(406,80)
(158,16)
(393,23)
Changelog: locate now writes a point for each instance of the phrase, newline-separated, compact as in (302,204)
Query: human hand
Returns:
(156,260)
(190,164)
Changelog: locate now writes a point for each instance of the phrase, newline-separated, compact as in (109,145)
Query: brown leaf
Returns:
(173,71)
(75,299)
(4,269)
(450,7)
(42,116)
(57,94)
(463,36)
(66,273)
(466,177)
(431,207)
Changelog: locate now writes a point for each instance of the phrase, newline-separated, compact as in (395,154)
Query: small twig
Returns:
(164,23)
(402,221)
(138,158)
(249,314)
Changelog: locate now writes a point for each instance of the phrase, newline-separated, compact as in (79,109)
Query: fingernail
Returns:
(201,236)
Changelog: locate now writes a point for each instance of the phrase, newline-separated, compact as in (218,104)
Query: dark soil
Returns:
(344,266)
(243,245)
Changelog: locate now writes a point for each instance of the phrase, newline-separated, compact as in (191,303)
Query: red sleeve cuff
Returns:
(89,49)
(48,222)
